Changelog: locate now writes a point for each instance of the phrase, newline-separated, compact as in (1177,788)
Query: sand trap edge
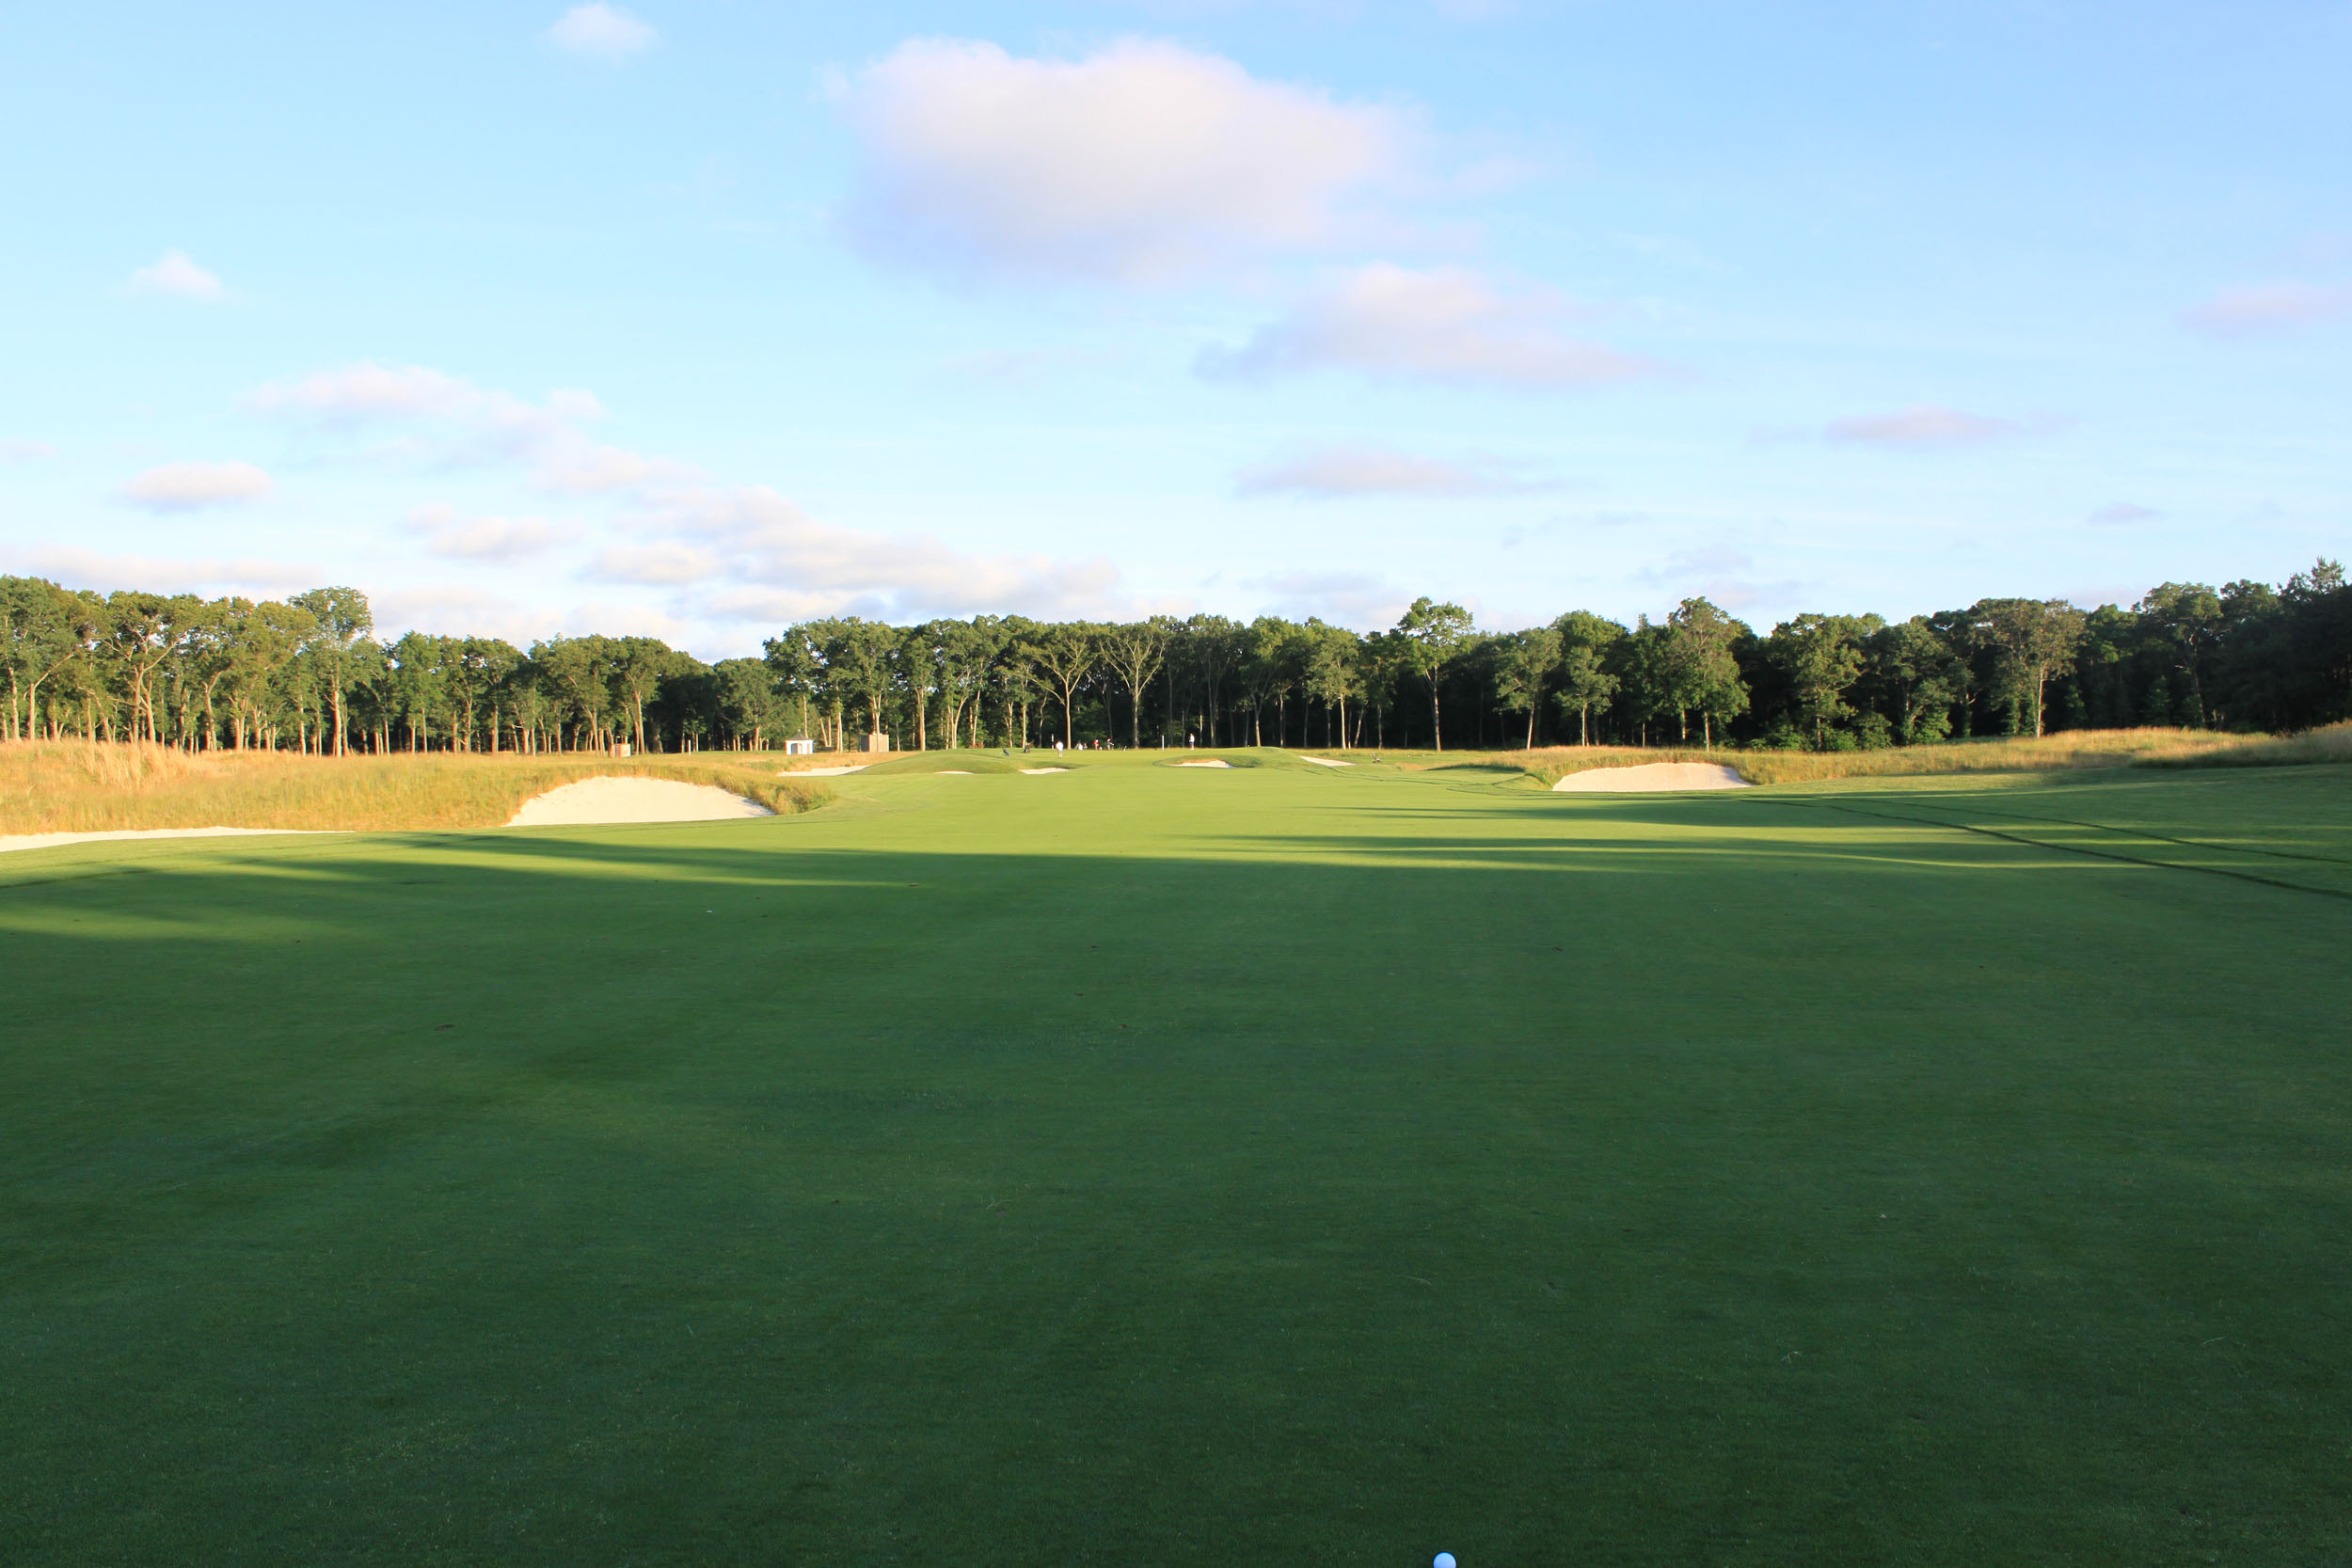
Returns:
(1652,778)
(608,801)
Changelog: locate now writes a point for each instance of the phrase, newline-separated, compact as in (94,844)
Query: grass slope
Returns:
(2063,751)
(1144,1166)
(67,786)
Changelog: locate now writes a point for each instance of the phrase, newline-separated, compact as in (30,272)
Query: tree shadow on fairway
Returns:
(1747,1190)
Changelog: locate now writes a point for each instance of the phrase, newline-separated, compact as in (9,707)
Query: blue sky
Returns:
(693,318)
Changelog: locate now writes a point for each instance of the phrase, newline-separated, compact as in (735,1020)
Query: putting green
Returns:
(1142,1165)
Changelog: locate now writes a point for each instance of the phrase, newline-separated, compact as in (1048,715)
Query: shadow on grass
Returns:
(1706,1185)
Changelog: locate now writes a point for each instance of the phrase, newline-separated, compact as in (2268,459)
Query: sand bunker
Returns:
(593,800)
(1213,762)
(1650,777)
(50,841)
(1326,762)
(955,773)
(824,772)
(1045,770)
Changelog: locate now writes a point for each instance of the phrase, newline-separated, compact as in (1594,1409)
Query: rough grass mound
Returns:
(72,787)
(2068,750)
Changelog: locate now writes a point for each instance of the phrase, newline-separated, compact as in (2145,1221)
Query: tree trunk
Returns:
(1437,730)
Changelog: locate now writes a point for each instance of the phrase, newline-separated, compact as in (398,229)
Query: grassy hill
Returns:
(1282,1165)
(67,786)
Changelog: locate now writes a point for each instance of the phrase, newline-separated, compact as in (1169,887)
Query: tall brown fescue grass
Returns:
(2151,747)
(72,787)
(2329,743)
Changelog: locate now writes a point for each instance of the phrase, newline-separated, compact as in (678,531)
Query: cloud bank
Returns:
(447,422)
(752,555)
(727,555)
(2267,308)
(1446,324)
(1919,428)
(1141,163)
(1363,600)
(191,486)
(488,538)
(87,569)
(1370,470)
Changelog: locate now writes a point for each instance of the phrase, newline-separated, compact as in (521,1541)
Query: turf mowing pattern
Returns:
(1140,1165)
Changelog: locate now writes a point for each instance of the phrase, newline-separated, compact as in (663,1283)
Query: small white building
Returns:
(800,746)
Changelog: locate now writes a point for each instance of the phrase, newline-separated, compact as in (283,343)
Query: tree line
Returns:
(309,673)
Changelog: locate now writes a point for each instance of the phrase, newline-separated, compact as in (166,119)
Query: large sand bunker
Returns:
(1213,762)
(1326,762)
(594,800)
(50,841)
(1650,777)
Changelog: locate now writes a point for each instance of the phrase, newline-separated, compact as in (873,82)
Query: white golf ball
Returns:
(1443,1559)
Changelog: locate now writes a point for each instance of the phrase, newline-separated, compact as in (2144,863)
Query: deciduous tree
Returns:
(343,623)
(2030,638)
(1433,634)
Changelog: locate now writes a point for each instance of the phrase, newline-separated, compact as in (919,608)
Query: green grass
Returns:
(1157,1166)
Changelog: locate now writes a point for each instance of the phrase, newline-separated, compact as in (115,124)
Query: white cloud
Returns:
(1722,573)
(177,278)
(2268,307)
(455,611)
(2124,511)
(468,425)
(458,611)
(666,563)
(1357,599)
(755,556)
(1364,470)
(1921,427)
(624,618)
(358,393)
(489,538)
(1438,324)
(1144,161)
(88,569)
(26,451)
(606,32)
(189,487)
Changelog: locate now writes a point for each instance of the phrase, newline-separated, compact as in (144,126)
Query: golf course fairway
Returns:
(1142,1165)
